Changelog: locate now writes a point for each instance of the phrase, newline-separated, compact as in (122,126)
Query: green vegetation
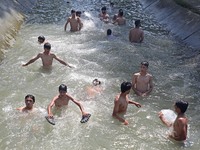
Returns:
(187,5)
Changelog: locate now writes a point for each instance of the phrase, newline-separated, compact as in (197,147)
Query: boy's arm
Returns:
(134,81)
(62,62)
(115,111)
(135,103)
(50,114)
(168,124)
(68,20)
(32,60)
(78,104)
(150,86)
(80,24)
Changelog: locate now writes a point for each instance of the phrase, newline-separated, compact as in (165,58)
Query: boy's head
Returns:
(41,39)
(29,96)
(73,11)
(109,32)
(103,10)
(145,63)
(29,101)
(62,87)
(125,86)
(96,82)
(137,23)
(121,13)
(78,13)
(182,105)
(47,46)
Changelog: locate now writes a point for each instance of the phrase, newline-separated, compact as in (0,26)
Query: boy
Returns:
(180,124)
(136,34)
(29,101)
(62,99)
(121,102)
(142,81)
(41,39)
(47,57)
(75,22)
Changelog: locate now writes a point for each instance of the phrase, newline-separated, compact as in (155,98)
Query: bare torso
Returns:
(74,23)
(61,101)
(136,35)
(121,21)
(142,82)
(123,104)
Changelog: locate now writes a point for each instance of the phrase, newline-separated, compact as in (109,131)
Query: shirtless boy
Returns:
(142,82)
(120,20)
(180,124)
(47,58)
(136,35)
(121,102)
(103,15)
(75,22)
(29,101)
(62,99)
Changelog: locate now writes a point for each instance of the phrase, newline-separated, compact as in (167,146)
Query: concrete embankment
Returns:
(12,14)
(180,21)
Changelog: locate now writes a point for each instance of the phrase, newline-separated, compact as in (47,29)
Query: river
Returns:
(174,68)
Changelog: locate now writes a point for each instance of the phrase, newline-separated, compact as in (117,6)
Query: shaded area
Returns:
(180,21)
(12,14)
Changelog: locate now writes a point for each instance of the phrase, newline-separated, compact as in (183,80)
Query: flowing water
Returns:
(175,71)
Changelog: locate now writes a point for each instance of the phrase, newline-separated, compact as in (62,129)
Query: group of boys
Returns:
(142,84)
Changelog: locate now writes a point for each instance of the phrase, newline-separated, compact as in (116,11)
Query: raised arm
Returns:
(32,60)
(61,61)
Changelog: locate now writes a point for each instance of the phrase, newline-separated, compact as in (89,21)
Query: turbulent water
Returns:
(175,72)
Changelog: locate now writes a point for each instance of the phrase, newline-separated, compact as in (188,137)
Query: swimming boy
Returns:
(103,15)
(121,102)
(120,20)
(142,82)
(47,58)
(62,99)
(95,89)
(136,34)
(75,22)
(29,101)
(180,125)
(41,39)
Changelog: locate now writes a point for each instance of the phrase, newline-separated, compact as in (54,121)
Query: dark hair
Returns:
(78,13)
(109,32)
(137,23)
(125,86)
(41,38)
(96,82)
(121,13)
(62,87)
(145,63)
(30,96)
(47,46)
(182,105)
(73,11)
(103,8)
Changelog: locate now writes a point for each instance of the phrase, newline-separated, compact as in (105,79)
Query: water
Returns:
(176,75)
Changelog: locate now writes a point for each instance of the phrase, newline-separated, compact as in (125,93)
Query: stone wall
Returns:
(181,22)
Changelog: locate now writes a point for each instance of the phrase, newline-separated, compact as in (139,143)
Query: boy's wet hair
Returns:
(62,87)
(73,11)
(145,63)
(78,13)
(109,32)
(30,96)
(47,46)
(103,8)
(121,13)
(182,105)
(96,82)
(137,23)
(42,38)
(125,86)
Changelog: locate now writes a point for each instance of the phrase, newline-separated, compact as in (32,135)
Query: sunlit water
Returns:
(93,56)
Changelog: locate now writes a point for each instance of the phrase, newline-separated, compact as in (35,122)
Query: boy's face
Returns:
(62,93)
(143,68)
(29,102)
